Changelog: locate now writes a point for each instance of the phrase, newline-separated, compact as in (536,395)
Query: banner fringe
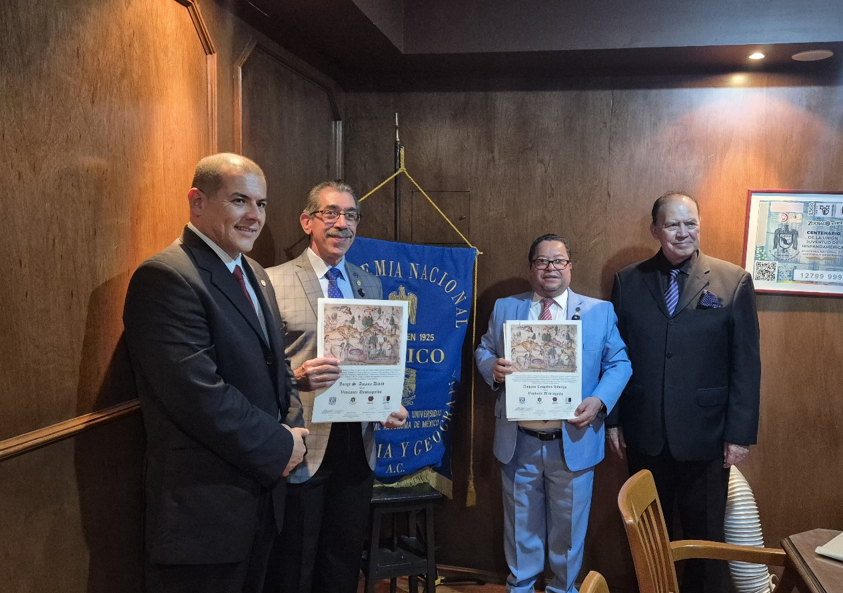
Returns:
(425,475)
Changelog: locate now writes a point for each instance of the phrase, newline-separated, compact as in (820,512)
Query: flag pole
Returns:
(397,188)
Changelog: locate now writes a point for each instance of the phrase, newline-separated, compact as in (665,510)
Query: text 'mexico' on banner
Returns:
(437,283)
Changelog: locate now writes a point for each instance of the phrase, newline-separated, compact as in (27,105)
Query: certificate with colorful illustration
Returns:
(547,381)
(369,338)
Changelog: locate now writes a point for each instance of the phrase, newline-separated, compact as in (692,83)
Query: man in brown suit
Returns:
(690,410)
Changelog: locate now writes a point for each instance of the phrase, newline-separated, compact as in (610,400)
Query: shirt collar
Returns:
(320,267)
(229,262)
(665,266)
(561,300)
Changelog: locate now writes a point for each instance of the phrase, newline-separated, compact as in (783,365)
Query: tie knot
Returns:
(238,275)
(334,291)
(545,314)
(671,294)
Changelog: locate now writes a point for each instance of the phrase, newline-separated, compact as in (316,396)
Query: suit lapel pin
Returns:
(263,283)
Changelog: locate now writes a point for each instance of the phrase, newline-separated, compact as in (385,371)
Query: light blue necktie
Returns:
(334,291)
(671,295)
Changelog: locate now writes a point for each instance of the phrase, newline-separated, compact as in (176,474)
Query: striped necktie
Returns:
(546,315)
(671,295)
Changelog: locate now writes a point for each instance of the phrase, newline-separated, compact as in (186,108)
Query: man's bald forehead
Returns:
(669,197)
(209,173)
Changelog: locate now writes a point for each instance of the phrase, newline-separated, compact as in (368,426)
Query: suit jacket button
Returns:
(270,360)
(670,322)
(668,355)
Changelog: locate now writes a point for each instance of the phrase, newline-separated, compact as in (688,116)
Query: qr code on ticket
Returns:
(766,271)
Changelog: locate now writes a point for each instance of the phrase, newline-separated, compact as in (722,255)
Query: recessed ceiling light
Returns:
(756,56)
(812,55)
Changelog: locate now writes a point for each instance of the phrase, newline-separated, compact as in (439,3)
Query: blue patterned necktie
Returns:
(671,295)
(334,291)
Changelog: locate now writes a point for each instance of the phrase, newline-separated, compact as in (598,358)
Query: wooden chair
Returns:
(594,583)
(654,555)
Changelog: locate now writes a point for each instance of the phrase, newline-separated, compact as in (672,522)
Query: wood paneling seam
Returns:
(238,94)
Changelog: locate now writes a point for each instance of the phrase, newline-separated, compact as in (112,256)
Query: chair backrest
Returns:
(647,534)
(594,583)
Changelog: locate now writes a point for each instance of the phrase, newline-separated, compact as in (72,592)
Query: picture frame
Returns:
(793,242)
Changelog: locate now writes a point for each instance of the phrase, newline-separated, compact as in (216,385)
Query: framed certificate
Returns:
(547,381)
(369,338)
(794,242)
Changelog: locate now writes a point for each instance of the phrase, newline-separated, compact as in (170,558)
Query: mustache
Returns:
(342,233)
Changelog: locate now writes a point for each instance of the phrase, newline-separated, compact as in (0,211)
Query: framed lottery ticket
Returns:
(794,242)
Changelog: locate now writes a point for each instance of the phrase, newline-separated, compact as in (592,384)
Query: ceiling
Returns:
(392,44)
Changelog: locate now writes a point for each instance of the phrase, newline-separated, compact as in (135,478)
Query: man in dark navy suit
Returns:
(201,326)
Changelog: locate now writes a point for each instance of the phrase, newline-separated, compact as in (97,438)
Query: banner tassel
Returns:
(471,494)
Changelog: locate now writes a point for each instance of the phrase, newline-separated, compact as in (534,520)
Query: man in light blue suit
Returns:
(547,466)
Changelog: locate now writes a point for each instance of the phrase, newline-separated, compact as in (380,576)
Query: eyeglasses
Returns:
(541,263)
(330,216)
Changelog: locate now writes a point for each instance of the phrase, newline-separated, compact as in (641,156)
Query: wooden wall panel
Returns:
(103,118)
(802,411)
(71,514)
(105,108)
(288,123)
(587,160)
(426,224)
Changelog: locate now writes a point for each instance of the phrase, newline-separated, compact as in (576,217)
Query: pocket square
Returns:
(709,300)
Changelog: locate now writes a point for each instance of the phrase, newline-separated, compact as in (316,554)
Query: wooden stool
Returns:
(399,555)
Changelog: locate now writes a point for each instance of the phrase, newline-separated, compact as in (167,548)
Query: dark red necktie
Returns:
(238,273)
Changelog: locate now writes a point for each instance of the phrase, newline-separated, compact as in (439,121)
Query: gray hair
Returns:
(312,204)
